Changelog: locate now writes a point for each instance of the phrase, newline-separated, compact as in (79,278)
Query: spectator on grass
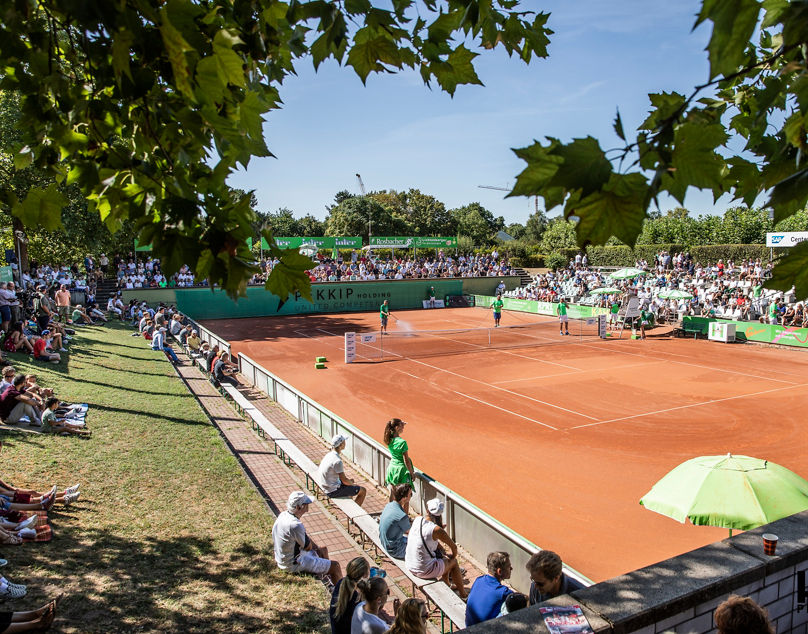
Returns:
(547,577)
(741,615)
(95,312)
(345,598)
(63,303)
(488,593)
(8,378)
(16,341)
(294,550)
(367,617)
(53,425)
(38,620)
(425,558)
(331,474)
(8,298)
(411,618)
(29,496)
(400,469)
(14,404)
(41,345)
(80,316)
(394,523)
(224,369)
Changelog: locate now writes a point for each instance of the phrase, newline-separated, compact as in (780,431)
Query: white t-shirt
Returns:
(289,537)
(364,623)
(329,471)
(417,558)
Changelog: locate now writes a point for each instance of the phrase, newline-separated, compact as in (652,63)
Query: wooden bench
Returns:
(451,606)
(688,329)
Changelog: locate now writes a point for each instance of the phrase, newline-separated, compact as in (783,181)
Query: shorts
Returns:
(308,561)
(434,570)
(384,321)
(497,315)
(344,491)
(5,312)
(563,318)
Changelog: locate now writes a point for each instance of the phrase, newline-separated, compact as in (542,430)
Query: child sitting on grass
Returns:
(40,349)
(53,425)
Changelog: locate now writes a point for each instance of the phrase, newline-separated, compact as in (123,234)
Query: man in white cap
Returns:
(425,558)
(331,474)
(294,550)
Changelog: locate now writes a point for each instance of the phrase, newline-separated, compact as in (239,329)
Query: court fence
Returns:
(471,527)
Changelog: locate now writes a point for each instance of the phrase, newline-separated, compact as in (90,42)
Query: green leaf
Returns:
(229,63)
(121,44)
(616,210)
(458,69)
(666,105)
(289,275)
(211,85)
(791,270)
(370,52)
(794,129)
(23,158)
(789,196)
(41,207)
(733,26)
(694,161)
(176,48)
(618,126)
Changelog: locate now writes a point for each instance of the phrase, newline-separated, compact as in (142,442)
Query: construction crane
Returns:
(362,189)
(504,189)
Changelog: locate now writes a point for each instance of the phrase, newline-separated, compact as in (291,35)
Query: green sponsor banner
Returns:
(754,331)
(6,274)
(144,247)
(436,242)
(406,242)
(331,297)
(575,311)
(322,242)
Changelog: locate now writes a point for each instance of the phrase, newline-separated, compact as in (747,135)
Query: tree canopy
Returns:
(756,100)
(148,106)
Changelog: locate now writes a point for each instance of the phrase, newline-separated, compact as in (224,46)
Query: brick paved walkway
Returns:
(275,480)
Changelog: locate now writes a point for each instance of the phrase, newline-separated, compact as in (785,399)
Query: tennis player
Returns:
(563,319)
(496,306)
(384,313)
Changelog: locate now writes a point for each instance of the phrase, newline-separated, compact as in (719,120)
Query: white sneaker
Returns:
(69,498)
(28,523)
(72,489)
(27,533)
(62,349)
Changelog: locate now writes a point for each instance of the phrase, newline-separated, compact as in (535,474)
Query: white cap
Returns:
(337,440)
(297,499)
(435,506)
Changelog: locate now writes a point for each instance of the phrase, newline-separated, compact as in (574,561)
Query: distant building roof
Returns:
(504,237)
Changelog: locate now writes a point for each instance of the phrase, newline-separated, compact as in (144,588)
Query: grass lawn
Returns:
(168,535)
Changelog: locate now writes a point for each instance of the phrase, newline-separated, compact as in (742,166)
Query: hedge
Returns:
(707,254)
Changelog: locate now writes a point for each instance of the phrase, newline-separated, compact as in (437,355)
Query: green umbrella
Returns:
(606,290)
(728,491)
(626,274)
(674,293)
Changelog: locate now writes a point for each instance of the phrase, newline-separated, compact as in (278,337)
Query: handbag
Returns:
(439,553)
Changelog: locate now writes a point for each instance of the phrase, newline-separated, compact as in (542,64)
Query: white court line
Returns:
(532,420)
(695,365)
(610,369)
(673,409)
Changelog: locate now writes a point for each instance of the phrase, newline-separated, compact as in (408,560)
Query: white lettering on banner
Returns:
(368,338)
(437,303)
(350,347)
(785,238)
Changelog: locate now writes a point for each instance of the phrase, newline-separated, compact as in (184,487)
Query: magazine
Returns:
(566,620)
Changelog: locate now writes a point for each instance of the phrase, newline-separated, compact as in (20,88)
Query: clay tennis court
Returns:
(559,442)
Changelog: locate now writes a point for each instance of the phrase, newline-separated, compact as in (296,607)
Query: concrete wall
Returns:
(680,594)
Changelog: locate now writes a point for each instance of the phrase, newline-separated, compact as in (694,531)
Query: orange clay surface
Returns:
(557,442)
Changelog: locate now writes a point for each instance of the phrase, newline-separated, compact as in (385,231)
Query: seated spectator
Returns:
(515,601)
(547,577)
(488,593)
(29,496)
(185,333)
(53,425)
(8,378)
(14,404)
(394,523)
(112,307)
(424,557)
(411,618)
(367,617)
(176,324)
(80,316)
(741,615)
(194,343)
(38,620)
(16,341)
(159,343)
(41,345)
(96,313)
(294,550)
(331,474)
(224,369)
(345,598)
(210,357)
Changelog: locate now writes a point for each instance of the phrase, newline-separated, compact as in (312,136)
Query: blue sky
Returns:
(399,134)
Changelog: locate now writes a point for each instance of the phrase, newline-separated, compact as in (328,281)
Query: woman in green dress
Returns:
(400,470)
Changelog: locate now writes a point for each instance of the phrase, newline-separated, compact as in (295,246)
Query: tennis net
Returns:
(366,346)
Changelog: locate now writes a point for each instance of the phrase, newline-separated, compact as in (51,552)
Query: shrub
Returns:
(556,260)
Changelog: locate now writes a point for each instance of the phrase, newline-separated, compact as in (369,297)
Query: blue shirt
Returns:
(393,523)
(485,599)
